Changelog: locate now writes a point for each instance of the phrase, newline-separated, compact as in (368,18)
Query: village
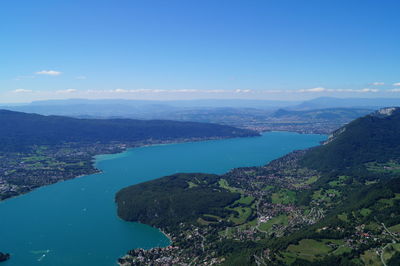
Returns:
(269,209)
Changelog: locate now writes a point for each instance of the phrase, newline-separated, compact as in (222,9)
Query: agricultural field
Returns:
(310,249)
(284,196)
(278,220)
(389,167)
(371,258)
(395,228)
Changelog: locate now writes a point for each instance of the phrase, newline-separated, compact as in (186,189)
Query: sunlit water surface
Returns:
(75,222)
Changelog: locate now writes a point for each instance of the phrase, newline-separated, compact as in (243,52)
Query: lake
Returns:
(75,222)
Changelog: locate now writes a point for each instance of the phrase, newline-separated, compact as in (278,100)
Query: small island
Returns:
(4,256)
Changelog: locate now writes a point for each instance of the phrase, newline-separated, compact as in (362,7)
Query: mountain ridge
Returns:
(369,138)
(20,130)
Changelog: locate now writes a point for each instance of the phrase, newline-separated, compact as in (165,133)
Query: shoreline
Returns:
(126,149)
(166,234)
(123,150)
(192,246)
(57,182)
(98,171)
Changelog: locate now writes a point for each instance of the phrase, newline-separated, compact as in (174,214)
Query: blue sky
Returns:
(270,49)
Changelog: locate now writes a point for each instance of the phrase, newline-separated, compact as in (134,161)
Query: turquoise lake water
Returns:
(75,222)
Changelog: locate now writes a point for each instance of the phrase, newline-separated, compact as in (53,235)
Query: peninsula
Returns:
(336,204)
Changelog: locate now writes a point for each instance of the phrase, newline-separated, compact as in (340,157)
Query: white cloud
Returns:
(318,89)
(140,90)
(66,91)
(185,91)
(22,91)
(49,72)
(171,91)
(121,91)
(216,91)
(395,90)
(235,91)
(274,91)
(396,84)
(378,83)
(367,90)
(242,91)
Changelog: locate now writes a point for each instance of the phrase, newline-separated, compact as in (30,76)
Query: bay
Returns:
(75,222)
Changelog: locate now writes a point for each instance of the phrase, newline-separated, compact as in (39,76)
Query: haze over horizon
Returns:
(180,50)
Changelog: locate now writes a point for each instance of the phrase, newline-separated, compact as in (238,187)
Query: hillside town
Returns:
(268,209)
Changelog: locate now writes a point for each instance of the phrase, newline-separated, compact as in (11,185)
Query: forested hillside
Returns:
(167,198)
(372,138)
(21,130)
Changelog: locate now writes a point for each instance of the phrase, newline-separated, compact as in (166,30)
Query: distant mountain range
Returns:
(241,113)
(131,108)
(321,115)
(331,102)
(201,103)
(137,108)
